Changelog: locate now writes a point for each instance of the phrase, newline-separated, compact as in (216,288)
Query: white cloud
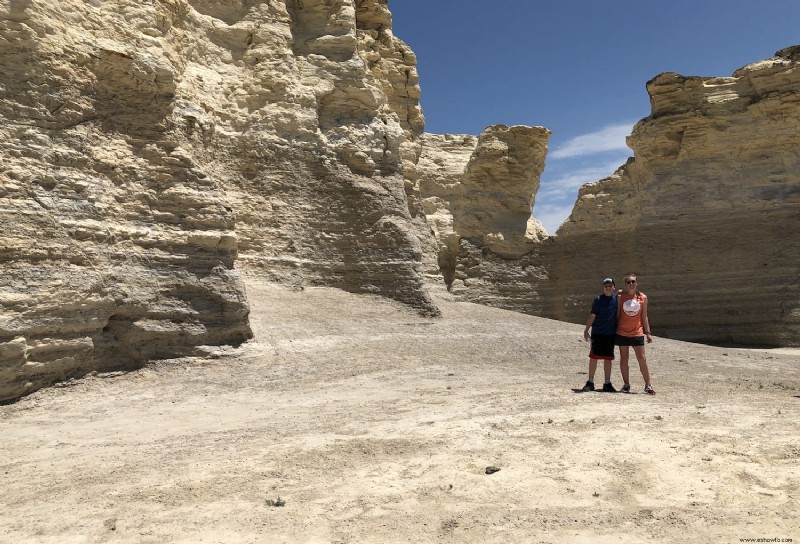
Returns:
(610,138)
(593,156)
(557,194)
(568,181)
(552,215)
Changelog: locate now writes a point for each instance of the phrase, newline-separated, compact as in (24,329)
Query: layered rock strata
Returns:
(477,193)
(149,150)
(708,211)
(332,98)
(118,246)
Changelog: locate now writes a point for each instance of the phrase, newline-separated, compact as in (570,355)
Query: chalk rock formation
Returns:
(437,184)
(150,149)
(321,199)
(117,243)
(477,193)
(708,212)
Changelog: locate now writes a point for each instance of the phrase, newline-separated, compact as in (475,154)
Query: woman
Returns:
(633,327)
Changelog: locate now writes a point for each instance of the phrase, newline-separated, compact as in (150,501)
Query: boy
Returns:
(603,322)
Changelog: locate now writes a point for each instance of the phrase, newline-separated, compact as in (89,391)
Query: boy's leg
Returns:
(607,370)
(592,369)
(589,386)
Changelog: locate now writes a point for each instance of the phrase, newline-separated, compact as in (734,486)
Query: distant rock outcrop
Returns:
(477,193)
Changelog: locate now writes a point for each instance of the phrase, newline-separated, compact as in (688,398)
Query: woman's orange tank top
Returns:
(630,316)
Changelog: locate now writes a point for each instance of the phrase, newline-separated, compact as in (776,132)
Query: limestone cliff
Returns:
(151,149)
(118,245)
(148,151)
(708,211)
(328,99)
(477,193)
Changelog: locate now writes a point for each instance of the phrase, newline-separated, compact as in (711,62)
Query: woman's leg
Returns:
(624,353)
(642,358)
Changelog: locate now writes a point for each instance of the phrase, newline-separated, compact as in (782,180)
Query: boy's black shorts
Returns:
(602,347)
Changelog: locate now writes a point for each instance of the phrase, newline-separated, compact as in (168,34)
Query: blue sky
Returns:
(577,67)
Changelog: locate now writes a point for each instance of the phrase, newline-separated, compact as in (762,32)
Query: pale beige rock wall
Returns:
(322,199)
(477,193)
(150,149)
(117,242)
(708,212)
(438,173)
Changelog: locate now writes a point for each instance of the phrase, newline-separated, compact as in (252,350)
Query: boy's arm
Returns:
(588,326)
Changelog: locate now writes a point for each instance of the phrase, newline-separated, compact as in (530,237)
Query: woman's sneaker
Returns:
(588,387)
(649,389)
(626,388)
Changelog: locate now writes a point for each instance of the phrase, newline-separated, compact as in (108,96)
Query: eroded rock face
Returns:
(118,245)
(477,193)
(321,199)
(150,149)
(708,212)
(438,173)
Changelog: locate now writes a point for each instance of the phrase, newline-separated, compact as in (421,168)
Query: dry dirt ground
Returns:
(373,424)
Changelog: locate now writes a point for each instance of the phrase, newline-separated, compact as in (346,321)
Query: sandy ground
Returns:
(372,424)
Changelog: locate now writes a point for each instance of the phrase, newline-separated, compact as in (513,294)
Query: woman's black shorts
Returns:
(629,340)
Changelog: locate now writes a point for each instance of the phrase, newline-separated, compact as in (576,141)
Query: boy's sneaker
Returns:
(649,389)
(626,388)
(588,387)
(608,388)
